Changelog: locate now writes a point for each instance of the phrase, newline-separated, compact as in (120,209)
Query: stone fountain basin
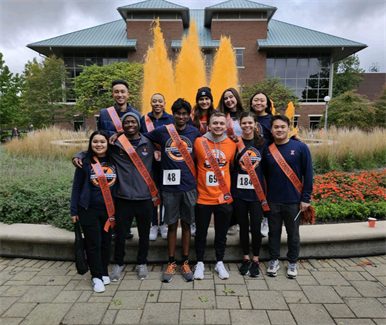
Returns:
(70,142)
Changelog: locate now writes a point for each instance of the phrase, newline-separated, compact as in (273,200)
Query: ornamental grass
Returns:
(347,149)
(49,143)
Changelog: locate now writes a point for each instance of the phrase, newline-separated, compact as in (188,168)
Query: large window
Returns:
(307,75)
(74,63)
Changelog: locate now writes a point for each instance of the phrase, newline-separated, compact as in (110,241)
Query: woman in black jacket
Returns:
(89,207)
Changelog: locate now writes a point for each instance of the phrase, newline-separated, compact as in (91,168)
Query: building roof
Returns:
(284,35)
(240,4)
(153,4)
(280,36)
(237,5)
(204,33)
(109,35)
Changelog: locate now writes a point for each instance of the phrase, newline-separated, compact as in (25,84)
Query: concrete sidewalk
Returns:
(317,241)
(326,292)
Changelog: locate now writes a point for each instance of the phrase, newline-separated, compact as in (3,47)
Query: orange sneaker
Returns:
(187,274)
(170,271)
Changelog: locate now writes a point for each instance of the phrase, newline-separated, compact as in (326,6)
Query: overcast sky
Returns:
(28,21)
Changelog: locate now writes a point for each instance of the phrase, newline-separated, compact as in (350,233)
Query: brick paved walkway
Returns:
(334,291)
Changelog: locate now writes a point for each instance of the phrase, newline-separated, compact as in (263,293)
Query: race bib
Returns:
(172,177)
(211,179)
(244,182)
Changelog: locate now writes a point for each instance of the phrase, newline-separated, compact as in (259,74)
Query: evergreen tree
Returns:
(347,75)
(380,109)
(10,87)
(44,90)
(350,110)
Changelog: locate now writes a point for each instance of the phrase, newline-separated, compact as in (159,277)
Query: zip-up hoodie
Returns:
(131,185)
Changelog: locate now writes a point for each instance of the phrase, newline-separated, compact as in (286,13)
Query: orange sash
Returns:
(252,175)
(202,128)
(182,149)
(149,123)
(230,131)
(141,169)
(226,196)
(115,118)
(104,186)
(286,168)
(150,127)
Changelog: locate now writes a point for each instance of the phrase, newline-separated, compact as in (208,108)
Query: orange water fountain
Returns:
(224,73)
(190,68)
(158,72)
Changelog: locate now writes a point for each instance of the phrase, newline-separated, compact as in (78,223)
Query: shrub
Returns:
(35,190)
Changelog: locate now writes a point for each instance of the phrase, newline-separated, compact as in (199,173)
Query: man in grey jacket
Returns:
(132,194)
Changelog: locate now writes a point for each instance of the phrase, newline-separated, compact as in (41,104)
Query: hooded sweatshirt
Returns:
(224,152)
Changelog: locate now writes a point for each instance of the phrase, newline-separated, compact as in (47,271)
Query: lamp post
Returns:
(326,99)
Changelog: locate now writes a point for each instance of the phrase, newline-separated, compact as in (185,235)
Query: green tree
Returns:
(347,75)
(93,85)
(278,93)
(44,91)
(380,109)
(10,87)
(350,110)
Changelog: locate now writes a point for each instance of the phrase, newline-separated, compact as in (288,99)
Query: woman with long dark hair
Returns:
(88,206)
(247,203)
(203,109)
(231,105)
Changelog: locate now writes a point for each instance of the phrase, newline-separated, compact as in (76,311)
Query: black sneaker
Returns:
(243,270)
(129,234)
(254,270)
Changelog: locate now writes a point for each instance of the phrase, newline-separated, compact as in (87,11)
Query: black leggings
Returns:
(255,216)
(98,241)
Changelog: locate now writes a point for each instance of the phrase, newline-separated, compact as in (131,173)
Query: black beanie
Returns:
(202,92)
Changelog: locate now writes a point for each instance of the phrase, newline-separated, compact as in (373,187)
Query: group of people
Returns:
(239,166)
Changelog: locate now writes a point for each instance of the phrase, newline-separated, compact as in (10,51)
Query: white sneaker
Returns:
(264,228)
(222,272)
(273,267)
(193,229)
(292,271)
(232,230)
(153,233)
(199,271)
(106,280)
(164,231)
(98,285)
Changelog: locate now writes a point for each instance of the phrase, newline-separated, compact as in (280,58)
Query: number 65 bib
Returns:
(172,177)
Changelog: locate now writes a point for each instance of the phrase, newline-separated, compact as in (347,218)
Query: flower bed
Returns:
(344,196)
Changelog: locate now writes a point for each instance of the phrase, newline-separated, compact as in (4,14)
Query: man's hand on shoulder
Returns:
(77,162)
(113,138)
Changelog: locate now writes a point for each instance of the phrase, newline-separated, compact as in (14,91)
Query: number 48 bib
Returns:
(172,177)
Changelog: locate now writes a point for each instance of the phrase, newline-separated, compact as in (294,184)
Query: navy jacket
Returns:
(165,119)
(82,187)
(106,124)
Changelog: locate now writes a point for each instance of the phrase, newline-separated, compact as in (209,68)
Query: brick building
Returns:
(301,57)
